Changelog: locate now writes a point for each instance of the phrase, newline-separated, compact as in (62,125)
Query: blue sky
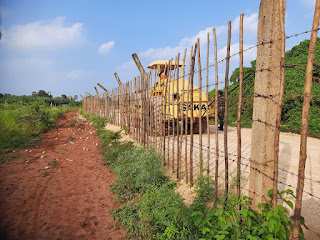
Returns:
(66,47)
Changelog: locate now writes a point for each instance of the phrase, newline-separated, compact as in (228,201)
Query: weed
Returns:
(44,174)
(125,128)
(7,158)
(71,137)
(137,171)
(73,122)
(53,163)
(21,125)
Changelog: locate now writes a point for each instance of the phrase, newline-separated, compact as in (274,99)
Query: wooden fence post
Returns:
(200,109)
(191,117)
(207,93)
(226,89)
(282,6)
(182,114)
(216,114)
(178,116)
(304,122)
(240,105)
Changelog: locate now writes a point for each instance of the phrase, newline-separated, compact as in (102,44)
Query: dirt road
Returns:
(58,190)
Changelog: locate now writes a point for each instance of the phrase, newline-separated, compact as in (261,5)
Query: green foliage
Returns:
(7,158)
(233,218)
(45,174)
(137,171)
(294,89)
(21,125)
(74,103)
(41,97)
(52,163)
(98,122)
(42,93)
(157,215)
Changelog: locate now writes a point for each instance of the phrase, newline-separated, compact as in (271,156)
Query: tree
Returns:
(296,59)
(42,93)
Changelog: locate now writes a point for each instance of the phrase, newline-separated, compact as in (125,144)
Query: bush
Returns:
(137,172)
(155,216)
(21,125)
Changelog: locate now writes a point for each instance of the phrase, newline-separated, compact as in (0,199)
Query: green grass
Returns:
(21,125)
(45,174)
(53,163)
(7,158)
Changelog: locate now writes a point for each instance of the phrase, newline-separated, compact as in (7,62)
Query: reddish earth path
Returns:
(67,201)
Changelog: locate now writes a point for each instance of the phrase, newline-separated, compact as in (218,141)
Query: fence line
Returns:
(171,115)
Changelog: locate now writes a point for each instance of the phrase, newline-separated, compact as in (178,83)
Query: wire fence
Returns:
(174,113)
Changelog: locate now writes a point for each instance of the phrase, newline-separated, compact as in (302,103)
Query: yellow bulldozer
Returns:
(172,98)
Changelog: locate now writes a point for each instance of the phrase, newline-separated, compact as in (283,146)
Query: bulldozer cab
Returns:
(163,67)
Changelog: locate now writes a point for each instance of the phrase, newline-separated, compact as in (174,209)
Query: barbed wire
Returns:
(252,47)
(164,86)
(250,160)
(235,54)
(221,154)
(258,170)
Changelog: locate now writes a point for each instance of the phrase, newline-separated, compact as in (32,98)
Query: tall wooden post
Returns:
(191,117)
(143,93)
(226,87)
(304,122)
(187,114)
(178,116)
(266,95)
(282,5)
(240,105)
(207,95)
(200,109)
(216,113)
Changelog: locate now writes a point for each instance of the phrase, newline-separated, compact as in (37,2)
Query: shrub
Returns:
(21,125)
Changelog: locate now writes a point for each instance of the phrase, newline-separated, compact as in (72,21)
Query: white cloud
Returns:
(169,52)
(45,34)
(250,31)
(250,52)
(106,47)
(250,25)
(188,41)
(162,53)
(129,70)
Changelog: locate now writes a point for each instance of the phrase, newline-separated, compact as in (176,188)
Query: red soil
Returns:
(67,201)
